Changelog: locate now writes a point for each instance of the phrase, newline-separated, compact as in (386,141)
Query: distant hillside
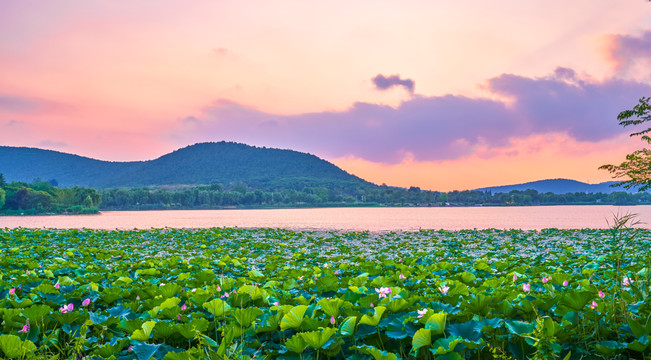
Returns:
(204,163)
(557,186)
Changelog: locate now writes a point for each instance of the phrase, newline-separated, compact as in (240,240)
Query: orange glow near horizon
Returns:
(537,158)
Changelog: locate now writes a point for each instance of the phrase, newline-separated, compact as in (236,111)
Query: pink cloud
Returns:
(626,50)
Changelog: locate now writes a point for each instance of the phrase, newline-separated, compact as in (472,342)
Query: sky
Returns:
(444,95)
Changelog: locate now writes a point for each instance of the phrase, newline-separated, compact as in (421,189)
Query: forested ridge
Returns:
(199,164)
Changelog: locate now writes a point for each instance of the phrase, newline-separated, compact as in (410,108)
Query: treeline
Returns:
(40,197)
(215,197)
(45,197)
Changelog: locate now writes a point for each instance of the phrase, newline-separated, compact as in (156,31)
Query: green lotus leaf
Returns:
(144,333)
(254,292)
(436,323)
(150,272)
(186,330)
(145,351)
(46,288)
(468,278)
(520,327)
(179,356)
(398,328)
(216,307)
(397,305)
(316,339)
(245,317)
(640,344)
(445,345)
(256,275)
(348,326)
(21,303)
(375,319)
(294,318)
(296,344)
(108,349)
(11,346)
(164,330)
(124,279)
(550,327)
(169,290)
(376,353)
(610,347)
(36,312)
(469,332)
(331,307)
(422,337)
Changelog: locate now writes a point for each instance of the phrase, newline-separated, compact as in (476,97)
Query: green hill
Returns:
(205,163)
(558,186)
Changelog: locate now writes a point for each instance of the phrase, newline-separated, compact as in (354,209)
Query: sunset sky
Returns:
(443,95)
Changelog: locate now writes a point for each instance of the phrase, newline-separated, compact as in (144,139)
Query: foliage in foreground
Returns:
(233,293)
(637,167)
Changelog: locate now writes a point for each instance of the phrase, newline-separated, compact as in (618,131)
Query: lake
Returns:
(346,219)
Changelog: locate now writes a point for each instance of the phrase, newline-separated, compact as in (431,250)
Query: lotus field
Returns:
(276,294)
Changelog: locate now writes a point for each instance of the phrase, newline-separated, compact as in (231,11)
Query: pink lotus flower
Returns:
(515,277)
(626,281)
(276,303)
(421,313)
(565,283)
(371,304)
(332,320)
(178,316)
(545,280)
(67,308)
(183,308)
(325,265)
(383,292)
(225,295)
(137,297)
(56,286)
(526,287)
(402,276)
(336,272)
(12,291)
(86,302)
(601,294)
(219,288)
(25,328)
(27,272)
(444,289)
(593,305)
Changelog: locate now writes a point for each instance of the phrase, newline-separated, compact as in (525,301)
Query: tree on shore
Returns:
(637,166)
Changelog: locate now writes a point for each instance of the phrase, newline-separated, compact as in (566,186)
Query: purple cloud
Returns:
(51,144)
(431,128)
(626,49)
(585,111)
(15,104)
(385,82)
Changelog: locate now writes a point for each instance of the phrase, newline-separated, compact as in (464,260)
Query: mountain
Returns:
(557,186)
(204,163)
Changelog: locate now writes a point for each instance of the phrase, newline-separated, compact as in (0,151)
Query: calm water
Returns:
(346,219)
